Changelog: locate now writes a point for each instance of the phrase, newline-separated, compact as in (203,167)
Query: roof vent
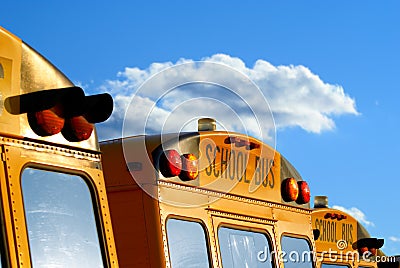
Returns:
(206,124)
(320,201)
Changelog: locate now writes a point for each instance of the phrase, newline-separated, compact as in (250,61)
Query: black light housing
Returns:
(369,242)
(65,110)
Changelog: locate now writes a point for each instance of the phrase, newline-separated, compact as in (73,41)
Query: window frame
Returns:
(250,230)
(87,179)
(190,220)
(298,236)
(246,223)
(16,155)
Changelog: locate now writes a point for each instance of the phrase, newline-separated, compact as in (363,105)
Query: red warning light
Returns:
(190,169)
(170,163)
(46,122)
(304,193)
(290,190)
(77,129)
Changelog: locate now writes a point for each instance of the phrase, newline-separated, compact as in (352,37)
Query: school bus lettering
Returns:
(211,160)
(327,229)
(347,233)
(238,191)
(342,240)
(262,172)
(241,166)
(334,231)
(224,161)
(233,165)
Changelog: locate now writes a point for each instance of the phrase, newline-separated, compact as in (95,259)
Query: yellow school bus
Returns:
(341,241)
(53,206)
(206,199)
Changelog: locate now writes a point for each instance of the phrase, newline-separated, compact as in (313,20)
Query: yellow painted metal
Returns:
(23,70)
(239,222)
(231,168)
(334,231)
(17,155)
(336,238)
(26,71)
(10,60)
(259,209)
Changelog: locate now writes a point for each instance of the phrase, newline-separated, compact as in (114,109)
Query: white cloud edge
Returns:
(357,214)
(297,97)
(394,239)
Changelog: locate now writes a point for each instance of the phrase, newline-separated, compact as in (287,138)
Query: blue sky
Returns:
(348,45)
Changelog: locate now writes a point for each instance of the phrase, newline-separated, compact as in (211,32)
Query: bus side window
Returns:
(244,248)
(60,220)
(187,244)
(296,252)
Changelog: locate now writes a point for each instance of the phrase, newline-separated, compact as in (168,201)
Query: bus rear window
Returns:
(241,248)
(296,252)
(187,244)
(60,220)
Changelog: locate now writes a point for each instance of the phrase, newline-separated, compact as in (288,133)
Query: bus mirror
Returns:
(316,233)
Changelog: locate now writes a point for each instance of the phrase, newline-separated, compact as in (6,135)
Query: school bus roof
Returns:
(340,231)
(228,163)
(29,83)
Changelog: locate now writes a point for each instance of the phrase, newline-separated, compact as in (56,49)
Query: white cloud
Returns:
(296,96)
(357,214)
(394,239)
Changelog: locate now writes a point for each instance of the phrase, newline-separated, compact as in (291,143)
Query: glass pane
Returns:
(187,244)
(243,248)
(296,253)
(325,265)
(60,220)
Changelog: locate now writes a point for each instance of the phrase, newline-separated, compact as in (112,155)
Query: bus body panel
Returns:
(18,156)
(337,239)
(143,202)
(28,83)
(133,212)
